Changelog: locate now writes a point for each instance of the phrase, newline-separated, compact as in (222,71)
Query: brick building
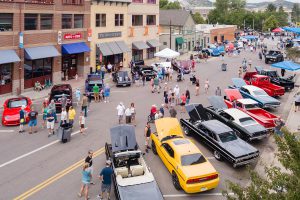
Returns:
(42,40)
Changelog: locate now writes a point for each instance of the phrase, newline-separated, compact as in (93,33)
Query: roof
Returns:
(167,126)
(251,87)
(247,101)
(177,17)
(236,113)
(216,126)
(185,148)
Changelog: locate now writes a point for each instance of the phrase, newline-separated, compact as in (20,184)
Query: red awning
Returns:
(277,30)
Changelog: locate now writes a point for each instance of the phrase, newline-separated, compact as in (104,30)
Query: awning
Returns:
(123,46)
(140,45)
(105,50)
(74,48)
(114,48)
(153,43)
(179,40)
(287,65)
(8,56)
(41,52)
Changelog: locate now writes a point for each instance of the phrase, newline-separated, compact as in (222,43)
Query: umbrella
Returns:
(287,65)
(277,30)
(167,53)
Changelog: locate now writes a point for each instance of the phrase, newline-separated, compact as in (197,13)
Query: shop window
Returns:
(119,19)
(100,20)
(78,21)
(222,38)
(137,20)
(150,52)
(137,1)
(165,43)
(66,21)
(216,39)
(48,66)
(151,1)
(37,68)
(30,22)
(46,21)
(5,74)
(151,19)
(137,55)
(6,22)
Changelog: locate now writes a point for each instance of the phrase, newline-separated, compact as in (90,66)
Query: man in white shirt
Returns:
(109,67)
(177,94)
(63,116)
(121,110)
(128,115)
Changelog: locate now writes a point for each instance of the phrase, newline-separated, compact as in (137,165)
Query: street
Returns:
(37,167)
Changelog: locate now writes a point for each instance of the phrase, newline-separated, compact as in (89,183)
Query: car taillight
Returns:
(203,179)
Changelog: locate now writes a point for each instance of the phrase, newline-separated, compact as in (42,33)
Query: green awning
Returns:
(179,40)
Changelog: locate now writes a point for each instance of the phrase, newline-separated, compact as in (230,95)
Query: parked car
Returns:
(91,81)
(190,170)
(214,50)
(121,78)
(255,93)
(11,110)
(142,70)
(243,124)
(263,82)
(219,137)
(207,51)
(251,108)
(132,178)
(56,94)
(158,65)
(287,83)
(184,65)
(273,56)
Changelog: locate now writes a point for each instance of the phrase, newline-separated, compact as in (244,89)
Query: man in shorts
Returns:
(32,120)
(147,137)
(50,122)
(96,91)
(105,177)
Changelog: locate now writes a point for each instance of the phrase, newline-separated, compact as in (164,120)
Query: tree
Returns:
(279,184)
(166,5)
(282,17)
(293,53)
(270,23)
(271,8)
(296,13)
(198,18)
(237,4)
(163,3)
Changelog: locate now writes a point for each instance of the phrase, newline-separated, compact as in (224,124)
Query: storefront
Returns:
(153,44)
(179,43)
(138,49)
(72,58)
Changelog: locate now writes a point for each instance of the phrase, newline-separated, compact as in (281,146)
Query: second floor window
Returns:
(151,1)
(137,1)
(66,21)
(137,20)
(100,20)
(30,22)
(78,21)
(151,20)
(46,21)
(73,2)
(119,20)
(6,22)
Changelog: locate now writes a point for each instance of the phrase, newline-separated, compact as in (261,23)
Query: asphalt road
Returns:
(37,167)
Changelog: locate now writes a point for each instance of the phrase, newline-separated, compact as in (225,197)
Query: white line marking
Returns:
(118,91)
(34,151)
(6,131)
(191,195)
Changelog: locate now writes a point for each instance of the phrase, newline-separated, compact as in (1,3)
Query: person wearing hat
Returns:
(105,176)
(22,119)
(121,109)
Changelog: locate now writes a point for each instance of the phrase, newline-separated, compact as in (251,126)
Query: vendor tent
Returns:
(292,29)
(287,65)
(167,53)
(277,30)
(250,37)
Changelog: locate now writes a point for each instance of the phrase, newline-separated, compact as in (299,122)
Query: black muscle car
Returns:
(121,78)
(132,178)
(144,70)
(274,56)
(219,137)
(56,94)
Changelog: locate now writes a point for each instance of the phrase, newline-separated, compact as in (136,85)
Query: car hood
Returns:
(13,112)
(254,128)
(145,191)
(267,99)
(198,170)
(238,148)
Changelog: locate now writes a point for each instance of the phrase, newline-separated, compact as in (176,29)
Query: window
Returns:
(119,19)
(151,1)
(137,1)
(78,21)
(151,20)
(168,149)
(31,22)
(5,74)
(73,2)
(66,21)
(151,52)
(37,68)
(46,21)
(137,20)
(6,22)
(192,159)
(100,20)
(216,39)
(137,55)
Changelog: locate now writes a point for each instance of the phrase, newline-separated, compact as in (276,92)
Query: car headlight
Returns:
(6,117)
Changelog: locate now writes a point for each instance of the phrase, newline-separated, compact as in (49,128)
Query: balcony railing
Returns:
(73,2)
(30,1)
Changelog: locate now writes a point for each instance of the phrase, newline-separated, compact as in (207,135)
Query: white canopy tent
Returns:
(167,53)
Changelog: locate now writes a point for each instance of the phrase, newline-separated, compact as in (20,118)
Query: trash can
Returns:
(224,67)
(64,132)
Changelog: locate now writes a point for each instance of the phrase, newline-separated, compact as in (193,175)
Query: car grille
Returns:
(247,159)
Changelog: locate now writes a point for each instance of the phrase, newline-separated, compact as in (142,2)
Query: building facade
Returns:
(42,40)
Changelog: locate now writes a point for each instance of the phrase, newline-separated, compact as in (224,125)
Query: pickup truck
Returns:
(263,82)
(287,83)
(273,56)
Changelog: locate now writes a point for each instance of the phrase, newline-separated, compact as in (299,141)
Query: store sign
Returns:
(109,35)
(70,36)
(59,37)
(21,39)
(89,33)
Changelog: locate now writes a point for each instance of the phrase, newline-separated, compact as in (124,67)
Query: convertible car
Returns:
(132,178)
(12,107)
(56,94)
(121,78)
(243,124)
(255,93)
(190,170)
(219,137)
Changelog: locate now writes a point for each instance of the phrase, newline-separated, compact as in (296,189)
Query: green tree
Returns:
(279,184)
(296,13)
(293,53)
(198,18)
(163,3)
(271,8)
(270,23)
(166,5)
(237,4)
(282,17)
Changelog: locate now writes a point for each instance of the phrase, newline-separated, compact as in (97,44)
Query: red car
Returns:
(250,107)
(12,107)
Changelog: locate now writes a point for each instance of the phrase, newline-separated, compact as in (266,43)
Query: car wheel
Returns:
(217,155)
(186,130)
(153,147)
(175,181)
(266,61)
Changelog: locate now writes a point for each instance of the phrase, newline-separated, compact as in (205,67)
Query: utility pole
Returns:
(170,34)
(253,24)
(244,25)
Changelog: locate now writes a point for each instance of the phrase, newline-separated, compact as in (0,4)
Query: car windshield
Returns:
(273,74)
(247,121)
(17,103)
(192,159)
(227,136)
(250,106)
(260,93)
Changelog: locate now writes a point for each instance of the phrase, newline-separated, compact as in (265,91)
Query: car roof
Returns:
(236,113)
(184,148)
(247,101)
(216,126)
(260,76)
(168,126)
(251,87)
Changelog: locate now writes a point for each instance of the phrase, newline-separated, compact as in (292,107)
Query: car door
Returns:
(168,156)
(224,117)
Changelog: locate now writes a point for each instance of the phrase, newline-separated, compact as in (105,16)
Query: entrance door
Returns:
(6,78)
(69,66)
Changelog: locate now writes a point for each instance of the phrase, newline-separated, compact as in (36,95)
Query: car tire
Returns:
(153,147)
(266,61)
(217,155)
(175,181)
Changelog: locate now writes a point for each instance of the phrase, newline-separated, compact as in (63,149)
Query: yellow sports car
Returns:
(190,170)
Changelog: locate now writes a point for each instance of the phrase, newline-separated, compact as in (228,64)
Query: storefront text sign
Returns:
(59,37)
(109,34)
(21,43)
(70,36)
(89,33)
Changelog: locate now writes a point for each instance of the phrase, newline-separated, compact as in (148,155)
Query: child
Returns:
(82,123)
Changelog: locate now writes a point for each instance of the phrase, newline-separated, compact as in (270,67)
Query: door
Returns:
(69,66)
(168,156)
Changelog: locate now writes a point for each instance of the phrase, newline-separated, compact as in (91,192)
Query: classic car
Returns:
(251,108)
(121,78)
(182,65)
(263,82)
(132,178)
(56,94)
(207,51)
(91,81)
(165,65)
(11,110)
(287,83)
(190,170)
(255,93)
(243,124)
(273,56)
(219,137)
(143,70)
